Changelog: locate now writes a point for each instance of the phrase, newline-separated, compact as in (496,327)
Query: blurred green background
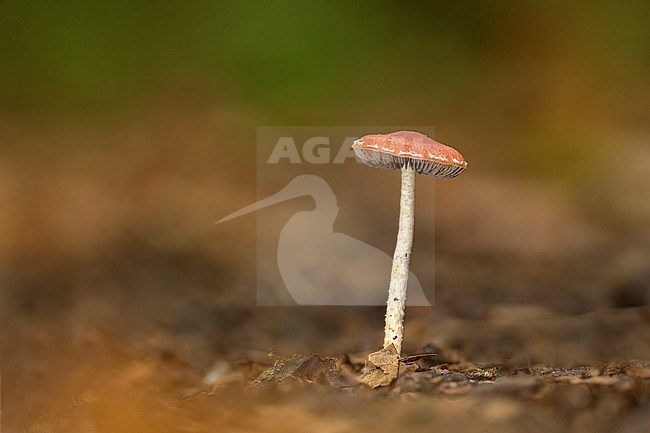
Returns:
(533,87)
(507,62)
(127,128)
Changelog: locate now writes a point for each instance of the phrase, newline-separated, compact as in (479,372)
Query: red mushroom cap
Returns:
(409,148)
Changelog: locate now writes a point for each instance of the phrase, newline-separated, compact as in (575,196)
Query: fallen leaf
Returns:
(386,367)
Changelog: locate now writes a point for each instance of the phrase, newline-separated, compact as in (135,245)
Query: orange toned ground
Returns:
(127,310)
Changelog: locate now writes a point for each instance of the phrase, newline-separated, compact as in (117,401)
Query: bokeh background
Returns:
(128,128)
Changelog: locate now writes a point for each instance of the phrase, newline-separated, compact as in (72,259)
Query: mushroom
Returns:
(413,153)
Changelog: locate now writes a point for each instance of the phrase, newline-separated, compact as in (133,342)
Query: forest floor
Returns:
(125,310)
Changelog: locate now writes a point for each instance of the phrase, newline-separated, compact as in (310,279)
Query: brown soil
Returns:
(127,311)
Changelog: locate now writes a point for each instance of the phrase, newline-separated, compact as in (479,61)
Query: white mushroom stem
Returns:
(399,276)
